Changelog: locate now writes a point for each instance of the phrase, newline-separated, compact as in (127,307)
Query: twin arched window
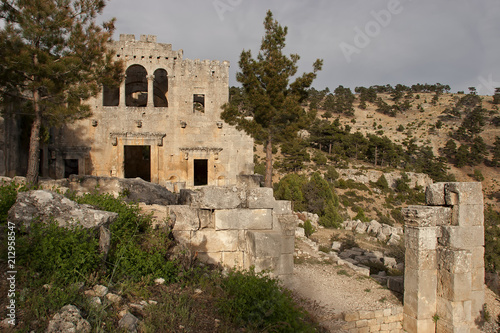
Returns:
(137,87)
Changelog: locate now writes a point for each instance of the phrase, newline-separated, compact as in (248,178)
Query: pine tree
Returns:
(53,57)
(275,113)
(496,152)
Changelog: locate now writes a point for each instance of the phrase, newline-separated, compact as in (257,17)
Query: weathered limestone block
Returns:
(251,181)
(233,259)
(462,238)
(426,216)
(282,207)
(262,244)
(287,244)
(455,313)
(262,197)
(215,241)
(421,238)
(48,205)
(420,293)
(68,319)
(411,324)
(454,287)
(266,264)
(206,218)
(464,194)
(454,260)
(477,258)
(288,223)
(214,197)
(243,219)
(286,264)
(434,195)
(423,259)
(477,299)
(184,218)
(212,258)
(468,215)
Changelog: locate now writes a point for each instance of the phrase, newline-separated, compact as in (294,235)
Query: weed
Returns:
(383,299)
(368,290)
(343,272)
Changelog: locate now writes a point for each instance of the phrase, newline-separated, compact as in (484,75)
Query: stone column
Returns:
(123,95)
(446,237)
(421,269)
(151,82)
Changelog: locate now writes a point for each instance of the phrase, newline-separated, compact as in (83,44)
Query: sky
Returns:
(361,42)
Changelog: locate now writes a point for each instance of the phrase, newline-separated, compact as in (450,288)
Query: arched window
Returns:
(136,86)
(160,88)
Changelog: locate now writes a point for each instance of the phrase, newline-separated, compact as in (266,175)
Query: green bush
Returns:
(256,301)
(8,195)
(290,188)
(382,183)
(308,228)
(60,255)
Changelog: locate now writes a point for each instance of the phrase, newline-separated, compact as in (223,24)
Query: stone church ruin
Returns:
(161,124)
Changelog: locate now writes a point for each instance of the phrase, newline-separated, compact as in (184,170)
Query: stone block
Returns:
(446,327)
(261,244)
(267,264)
(454,287)
(250,181)
(259,198)
(420,293)
(282,207)
(288,223)
(396,283)
(214,241)
(462,238)
(424,259)
(434,194)
(463,194)
(214,197)
(478,279)
(233,259)
(468,215)
(184,218)
(351,316)
(427,216)
(212,258)
(285,264)
(183,237)
(454,312)
(366,315)
(454,260)
(288,245)
(413,325)
(243,219)
(477,301)
(421,238)
(477,257)
(206,218)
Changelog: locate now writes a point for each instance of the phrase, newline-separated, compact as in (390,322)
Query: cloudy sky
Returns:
(362,42)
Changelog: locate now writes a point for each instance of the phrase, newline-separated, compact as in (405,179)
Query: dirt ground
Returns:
(327,290)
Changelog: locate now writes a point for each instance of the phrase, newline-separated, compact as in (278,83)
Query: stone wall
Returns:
(444,264)
(385,321)
(237,226)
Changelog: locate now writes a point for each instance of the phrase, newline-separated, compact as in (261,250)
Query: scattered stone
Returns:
(128,322)
(100,290)
(336,246)
(152,302)
(160,281)
(96,301)
(68,319)
(113,298)
(198,291)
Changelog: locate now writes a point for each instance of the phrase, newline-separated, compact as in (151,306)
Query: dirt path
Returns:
(327,290)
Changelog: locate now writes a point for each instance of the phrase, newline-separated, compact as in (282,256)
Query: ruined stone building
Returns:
(162,124)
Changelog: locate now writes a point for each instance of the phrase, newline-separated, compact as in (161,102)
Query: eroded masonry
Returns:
(161,124)
(444,260)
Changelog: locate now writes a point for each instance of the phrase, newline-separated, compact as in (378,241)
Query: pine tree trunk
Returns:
(330,149)
(376,156)
(269,163)
(34,150)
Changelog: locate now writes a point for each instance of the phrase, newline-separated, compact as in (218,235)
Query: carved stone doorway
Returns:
(138,162)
